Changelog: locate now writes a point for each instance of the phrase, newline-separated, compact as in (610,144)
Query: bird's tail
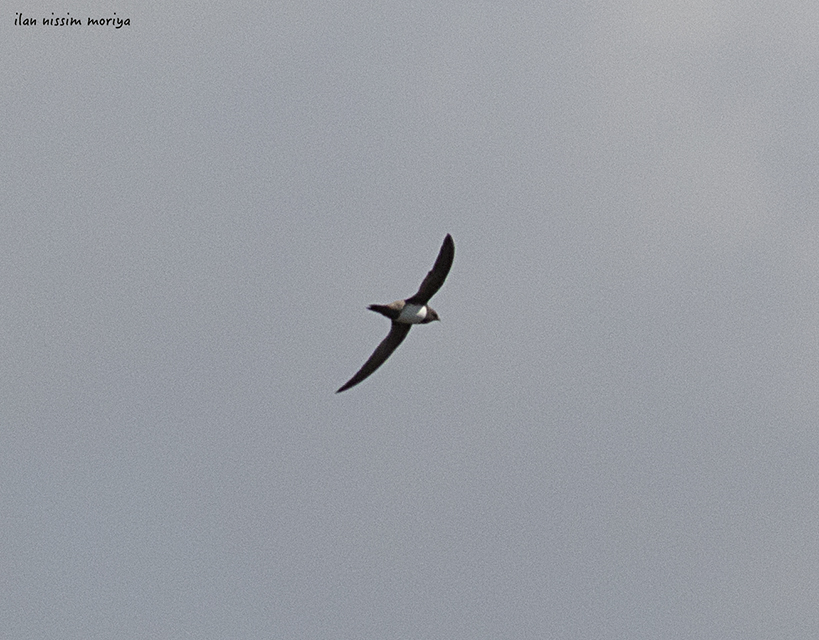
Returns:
(384,310)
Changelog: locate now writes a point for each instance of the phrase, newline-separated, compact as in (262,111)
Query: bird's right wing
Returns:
(435,278)
(383,351)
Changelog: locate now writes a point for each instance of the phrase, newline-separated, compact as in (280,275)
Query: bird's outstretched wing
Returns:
(436,277)
(383,351)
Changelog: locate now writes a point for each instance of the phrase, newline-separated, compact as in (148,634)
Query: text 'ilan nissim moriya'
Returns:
(68,21)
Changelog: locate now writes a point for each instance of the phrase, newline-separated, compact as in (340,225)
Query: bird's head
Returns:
(432,315)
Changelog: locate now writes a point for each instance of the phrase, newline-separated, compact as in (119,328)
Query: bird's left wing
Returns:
(383,351)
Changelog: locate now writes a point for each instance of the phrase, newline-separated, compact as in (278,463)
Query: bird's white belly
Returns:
(412,314)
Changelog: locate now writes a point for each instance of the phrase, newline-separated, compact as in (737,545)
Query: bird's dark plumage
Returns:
(436,276)
(383,351)
(405,313)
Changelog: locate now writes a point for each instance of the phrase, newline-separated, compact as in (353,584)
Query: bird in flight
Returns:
(405,313)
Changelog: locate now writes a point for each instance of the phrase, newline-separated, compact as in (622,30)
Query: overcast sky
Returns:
(612,434)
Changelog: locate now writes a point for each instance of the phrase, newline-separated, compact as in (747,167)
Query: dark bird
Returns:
(405,313)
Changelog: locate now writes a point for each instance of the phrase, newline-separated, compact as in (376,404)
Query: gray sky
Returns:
(611,434)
